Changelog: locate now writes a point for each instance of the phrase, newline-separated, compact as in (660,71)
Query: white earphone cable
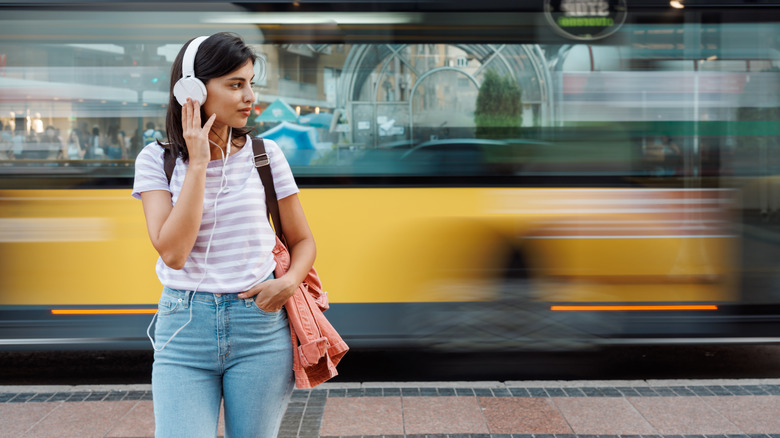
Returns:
(223,188)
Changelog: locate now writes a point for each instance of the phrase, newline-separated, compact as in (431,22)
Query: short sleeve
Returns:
(284,182)
(149,171)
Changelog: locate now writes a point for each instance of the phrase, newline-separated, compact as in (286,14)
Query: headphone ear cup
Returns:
(189,87)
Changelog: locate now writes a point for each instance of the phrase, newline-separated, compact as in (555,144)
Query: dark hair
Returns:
(149,125)
(217,56)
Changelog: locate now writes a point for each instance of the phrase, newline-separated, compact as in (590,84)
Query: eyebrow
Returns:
(239,78)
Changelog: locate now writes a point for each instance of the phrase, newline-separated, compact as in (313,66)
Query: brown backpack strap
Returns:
(169,162)
(263,166)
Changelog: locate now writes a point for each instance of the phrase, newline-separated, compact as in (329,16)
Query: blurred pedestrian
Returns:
(18,142)
(151,134)
(94,148)
(114,144)
(49,145)
(5,142)
(73,148)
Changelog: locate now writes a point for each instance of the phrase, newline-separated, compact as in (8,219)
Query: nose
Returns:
(249,95)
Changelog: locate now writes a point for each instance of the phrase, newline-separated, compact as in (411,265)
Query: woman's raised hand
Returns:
(195,136)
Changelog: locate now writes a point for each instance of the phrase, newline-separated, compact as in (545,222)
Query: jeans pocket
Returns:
(168,305)
(263,312)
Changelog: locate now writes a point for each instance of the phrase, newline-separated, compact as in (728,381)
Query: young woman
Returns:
(73,149)
(221,331)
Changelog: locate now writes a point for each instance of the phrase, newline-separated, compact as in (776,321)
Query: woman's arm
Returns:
(272,294)
(174,228)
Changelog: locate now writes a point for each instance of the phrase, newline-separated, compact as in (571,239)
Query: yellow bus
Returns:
(478,176)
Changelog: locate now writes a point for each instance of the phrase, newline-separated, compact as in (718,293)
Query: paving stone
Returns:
(737,390)
(592,392)
(754,414)
(701,391)
(337,393)
(352,416)
(611,392)
(483,392)
(628,392)
(373,392)
(519,392)
(682,415)
(22,397)
(646,392)
(18,418)
(574,392)
(424,415)
(41,397)
(682,391)
(555,392)
(664,392)
(410,392)
(96,396)
(523,415)
(602,416)
(756,389)
(537,392)
(81,419)
(59,396)
(138,422)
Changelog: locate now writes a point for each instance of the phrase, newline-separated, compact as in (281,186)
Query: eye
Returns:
(236,85)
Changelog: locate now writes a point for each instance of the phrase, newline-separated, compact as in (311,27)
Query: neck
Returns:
(219,135)
(223,143)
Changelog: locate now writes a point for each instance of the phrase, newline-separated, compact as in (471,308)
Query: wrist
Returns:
(289,283)
(197,165)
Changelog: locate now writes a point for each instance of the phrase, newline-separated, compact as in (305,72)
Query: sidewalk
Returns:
(454,409)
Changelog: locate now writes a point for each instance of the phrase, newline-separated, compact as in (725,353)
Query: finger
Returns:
(195,114)
(209,122)
(185,115)
(251,292)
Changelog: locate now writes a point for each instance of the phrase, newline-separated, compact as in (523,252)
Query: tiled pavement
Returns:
(679,409)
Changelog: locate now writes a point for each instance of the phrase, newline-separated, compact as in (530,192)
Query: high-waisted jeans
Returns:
(230,350)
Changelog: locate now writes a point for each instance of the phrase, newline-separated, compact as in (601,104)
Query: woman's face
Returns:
(231,97)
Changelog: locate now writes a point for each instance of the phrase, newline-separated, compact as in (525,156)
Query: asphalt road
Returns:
(615,363)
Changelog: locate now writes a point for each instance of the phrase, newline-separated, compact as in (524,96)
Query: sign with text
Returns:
(585,19)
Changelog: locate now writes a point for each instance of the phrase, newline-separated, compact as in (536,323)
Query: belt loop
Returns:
(186,302)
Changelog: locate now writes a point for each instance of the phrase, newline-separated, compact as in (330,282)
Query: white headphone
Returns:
(189,86)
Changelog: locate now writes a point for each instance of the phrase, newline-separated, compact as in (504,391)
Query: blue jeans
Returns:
(230,350)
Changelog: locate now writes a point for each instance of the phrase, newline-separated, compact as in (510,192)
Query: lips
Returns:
(246,111)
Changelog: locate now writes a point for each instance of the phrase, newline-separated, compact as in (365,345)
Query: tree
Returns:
(498,114)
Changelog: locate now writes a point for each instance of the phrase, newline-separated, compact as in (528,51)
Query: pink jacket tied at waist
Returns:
(317,346)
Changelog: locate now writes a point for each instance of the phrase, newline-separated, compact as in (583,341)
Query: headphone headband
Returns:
(188,62)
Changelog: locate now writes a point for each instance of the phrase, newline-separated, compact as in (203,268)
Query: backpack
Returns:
(150,135)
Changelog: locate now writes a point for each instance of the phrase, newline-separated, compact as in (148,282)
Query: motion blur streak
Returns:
(101,311)
(630,308)
(58,229)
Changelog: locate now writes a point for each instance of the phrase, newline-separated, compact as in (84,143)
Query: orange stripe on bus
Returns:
(630,308)
(101,311)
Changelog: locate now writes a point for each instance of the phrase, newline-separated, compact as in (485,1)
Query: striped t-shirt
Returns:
(240,254)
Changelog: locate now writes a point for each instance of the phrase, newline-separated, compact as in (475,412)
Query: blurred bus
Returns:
(490,175)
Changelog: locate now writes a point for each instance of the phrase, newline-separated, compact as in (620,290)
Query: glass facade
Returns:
(84,91)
